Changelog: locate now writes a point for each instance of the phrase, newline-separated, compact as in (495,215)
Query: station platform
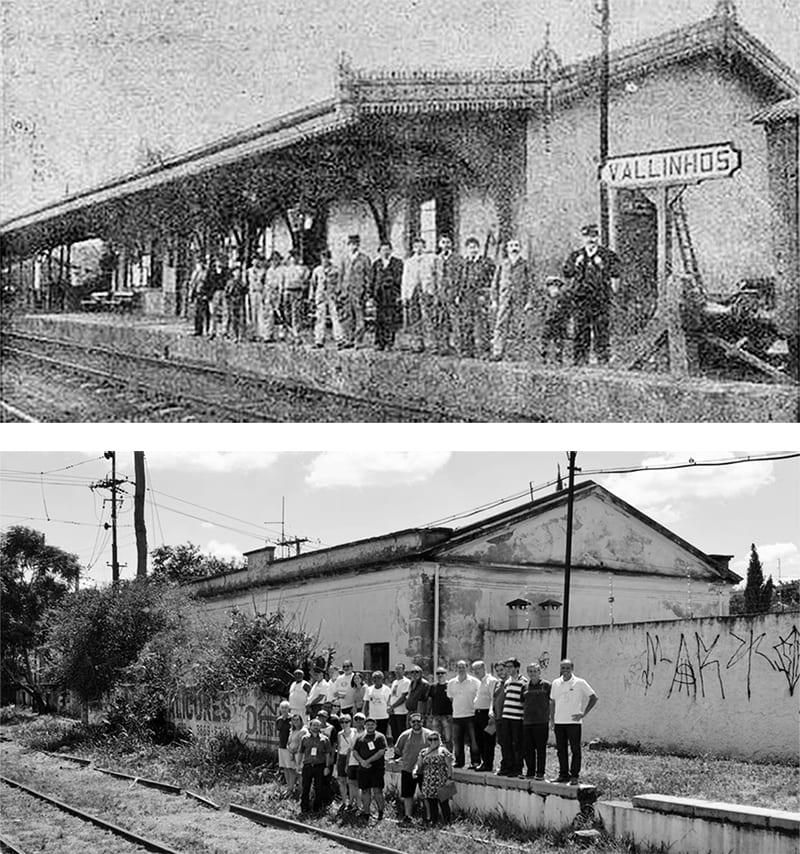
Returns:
(477,389)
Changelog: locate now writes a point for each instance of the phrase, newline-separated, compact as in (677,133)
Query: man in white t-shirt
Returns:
(462,690)
(398,713)
(571,699)
(376,702)
(298,694)
(343,687)
(331,702)
(318,695)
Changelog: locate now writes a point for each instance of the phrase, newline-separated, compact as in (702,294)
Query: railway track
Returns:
(167,389)
(139,842)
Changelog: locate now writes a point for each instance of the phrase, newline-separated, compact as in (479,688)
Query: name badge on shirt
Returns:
(313,751)
(371,745)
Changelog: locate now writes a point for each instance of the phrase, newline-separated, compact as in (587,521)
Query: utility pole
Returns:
(292,541)
(605,30)
(111,483)
(139,526)
(568,553)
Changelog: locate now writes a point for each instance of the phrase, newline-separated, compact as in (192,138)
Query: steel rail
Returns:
(201,799)
(170,788)
(246,376)
(141,841)
(298,827)
(8,847)
(18,413)
(176,398)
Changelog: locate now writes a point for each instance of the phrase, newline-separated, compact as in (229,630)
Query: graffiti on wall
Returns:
(698,664)
(250,716)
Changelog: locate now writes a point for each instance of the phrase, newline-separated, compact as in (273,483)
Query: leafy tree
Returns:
(176,564)
(33,577)
(262,650)
(788,593)
(94,635)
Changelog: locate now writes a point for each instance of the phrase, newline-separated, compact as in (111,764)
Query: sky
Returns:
(89,84)
(230,502)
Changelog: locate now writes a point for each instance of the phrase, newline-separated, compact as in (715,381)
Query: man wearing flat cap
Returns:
(594,273)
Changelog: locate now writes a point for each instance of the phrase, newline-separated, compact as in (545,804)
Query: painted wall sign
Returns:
(673,166)
(248,714)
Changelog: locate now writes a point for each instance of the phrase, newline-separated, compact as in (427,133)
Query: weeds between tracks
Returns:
(224,770)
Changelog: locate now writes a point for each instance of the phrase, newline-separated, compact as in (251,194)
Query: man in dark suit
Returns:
(594,272)
(355,273)
(387,277)
(471,297)
(447,271)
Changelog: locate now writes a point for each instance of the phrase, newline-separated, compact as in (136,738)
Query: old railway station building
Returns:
(428,595)
(491,154)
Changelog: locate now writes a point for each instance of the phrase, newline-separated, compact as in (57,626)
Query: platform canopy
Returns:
(315,149)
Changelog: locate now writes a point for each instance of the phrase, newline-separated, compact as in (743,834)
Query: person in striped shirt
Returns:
(510,732)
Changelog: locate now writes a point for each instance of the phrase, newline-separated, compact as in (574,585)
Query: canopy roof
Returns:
(363,93)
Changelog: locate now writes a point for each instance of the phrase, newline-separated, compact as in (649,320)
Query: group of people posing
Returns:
(447,303)
(337,726)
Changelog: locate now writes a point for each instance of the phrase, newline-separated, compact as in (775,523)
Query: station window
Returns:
(432,213)
(376,657)
(427,223)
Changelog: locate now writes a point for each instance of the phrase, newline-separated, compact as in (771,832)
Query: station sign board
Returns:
(673,166)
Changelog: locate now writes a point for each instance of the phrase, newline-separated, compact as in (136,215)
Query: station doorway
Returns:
(636,233)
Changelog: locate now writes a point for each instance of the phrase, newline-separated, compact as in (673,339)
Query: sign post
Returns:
(658,174)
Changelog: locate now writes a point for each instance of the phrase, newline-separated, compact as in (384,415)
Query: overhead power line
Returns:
(261,528)
(473,511)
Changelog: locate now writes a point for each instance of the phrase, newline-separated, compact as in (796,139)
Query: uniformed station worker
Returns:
(594,273)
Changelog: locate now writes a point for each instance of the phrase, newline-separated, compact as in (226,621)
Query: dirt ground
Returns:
(174,820)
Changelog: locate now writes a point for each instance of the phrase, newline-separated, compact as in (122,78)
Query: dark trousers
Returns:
(312,774)
(201,316)
(534,738)
(511,746)
(554,336)
(486,742)
(463,730)
(433,806)
(591,317)
(397,724)
(385,326)
(568,734)
(382,726)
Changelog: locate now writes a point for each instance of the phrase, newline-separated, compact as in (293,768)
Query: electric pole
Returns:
(138,514)
(292,541)
(112,455)
(605,29)
(568,553)
(111,483)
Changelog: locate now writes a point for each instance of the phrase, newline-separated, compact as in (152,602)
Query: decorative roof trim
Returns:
(401,91)
(783,111)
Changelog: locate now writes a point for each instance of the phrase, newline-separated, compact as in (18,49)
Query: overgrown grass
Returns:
(620,774)
(15,715)
(227,772)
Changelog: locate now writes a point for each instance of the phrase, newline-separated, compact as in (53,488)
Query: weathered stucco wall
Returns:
(725,686)
(392,606)
(604,536)
(474,600)
(690,104)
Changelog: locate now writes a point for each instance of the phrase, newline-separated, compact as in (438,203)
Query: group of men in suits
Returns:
(446,302)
